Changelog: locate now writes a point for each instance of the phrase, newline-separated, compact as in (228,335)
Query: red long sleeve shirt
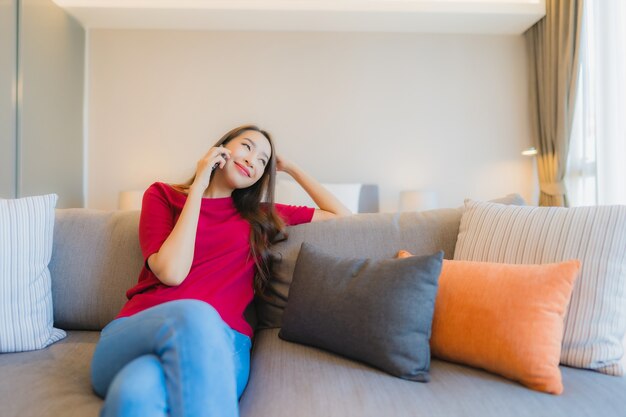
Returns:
(222,270)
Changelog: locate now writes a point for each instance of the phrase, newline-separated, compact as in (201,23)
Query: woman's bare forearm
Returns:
(324,199)
(172,263)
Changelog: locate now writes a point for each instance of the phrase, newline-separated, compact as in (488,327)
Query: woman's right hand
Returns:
(215,157)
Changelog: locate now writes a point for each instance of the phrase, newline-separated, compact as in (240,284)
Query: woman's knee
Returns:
(196,319)
(138,389)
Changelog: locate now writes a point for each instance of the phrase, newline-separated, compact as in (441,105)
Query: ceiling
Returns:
(421,16)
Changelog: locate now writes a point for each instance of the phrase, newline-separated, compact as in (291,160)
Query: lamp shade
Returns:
(532,151)
(418,200)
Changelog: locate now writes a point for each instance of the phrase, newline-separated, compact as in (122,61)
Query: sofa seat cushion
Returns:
(50,382)
(293,380)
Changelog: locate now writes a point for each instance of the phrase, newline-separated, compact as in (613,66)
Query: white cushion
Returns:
(290,192)
(596,320)
(26,227)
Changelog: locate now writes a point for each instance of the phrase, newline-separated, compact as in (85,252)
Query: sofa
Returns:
(96,258)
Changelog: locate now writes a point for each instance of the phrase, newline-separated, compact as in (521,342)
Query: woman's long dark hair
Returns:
(265,223)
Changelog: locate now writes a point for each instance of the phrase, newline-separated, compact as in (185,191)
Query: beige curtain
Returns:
(554,50)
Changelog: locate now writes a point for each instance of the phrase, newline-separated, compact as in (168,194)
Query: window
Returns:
(597,157)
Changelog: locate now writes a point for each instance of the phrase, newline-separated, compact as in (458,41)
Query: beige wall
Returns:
(404,111)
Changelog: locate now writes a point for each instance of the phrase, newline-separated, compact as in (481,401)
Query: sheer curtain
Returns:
(597,158)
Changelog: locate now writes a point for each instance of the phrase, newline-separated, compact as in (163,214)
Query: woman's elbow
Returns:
(340,211)
(171,278)
(167,274)
(343,212)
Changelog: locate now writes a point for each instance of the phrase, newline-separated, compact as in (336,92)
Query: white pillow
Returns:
(290,192)
(595,323)
(26,227)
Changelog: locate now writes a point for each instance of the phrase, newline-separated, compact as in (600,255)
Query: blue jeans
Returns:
(175,359)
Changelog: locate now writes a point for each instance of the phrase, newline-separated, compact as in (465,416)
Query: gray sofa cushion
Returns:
(376,236)
(95,258)
(52,381)
(378,312)
(292,380)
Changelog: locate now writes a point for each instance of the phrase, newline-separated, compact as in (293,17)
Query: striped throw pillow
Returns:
(595,323)
(26,226)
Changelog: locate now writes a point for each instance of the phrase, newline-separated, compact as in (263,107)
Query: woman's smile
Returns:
(244,171)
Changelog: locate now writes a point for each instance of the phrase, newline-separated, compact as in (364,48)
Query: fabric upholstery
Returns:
(95,259)
(52,381)
(292,380)
(287,379)
(596,320)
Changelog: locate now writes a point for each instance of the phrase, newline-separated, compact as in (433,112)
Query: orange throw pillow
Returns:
(504,318)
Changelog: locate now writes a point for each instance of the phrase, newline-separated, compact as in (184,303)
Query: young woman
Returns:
(180,346)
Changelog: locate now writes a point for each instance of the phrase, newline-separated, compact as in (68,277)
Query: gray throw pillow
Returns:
(378,312)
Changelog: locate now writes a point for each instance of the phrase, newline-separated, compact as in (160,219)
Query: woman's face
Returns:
(250,154)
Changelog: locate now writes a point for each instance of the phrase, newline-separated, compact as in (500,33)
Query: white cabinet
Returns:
(8,102)
(41,101)
(426,16)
